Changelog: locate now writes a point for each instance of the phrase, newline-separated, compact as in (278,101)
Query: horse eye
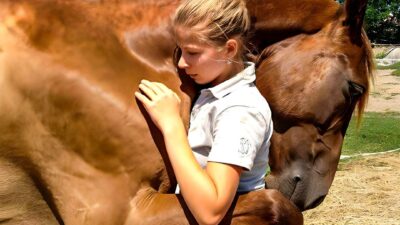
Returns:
(321,128)
(355,89)
(192,53)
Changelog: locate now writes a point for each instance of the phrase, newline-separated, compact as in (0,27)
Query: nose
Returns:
(182,64)
(297,178)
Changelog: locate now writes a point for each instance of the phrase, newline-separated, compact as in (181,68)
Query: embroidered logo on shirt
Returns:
(244,146)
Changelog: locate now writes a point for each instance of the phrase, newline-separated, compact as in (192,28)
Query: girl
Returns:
(226,150)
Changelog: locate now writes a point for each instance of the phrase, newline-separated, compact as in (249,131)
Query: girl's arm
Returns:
(208,193)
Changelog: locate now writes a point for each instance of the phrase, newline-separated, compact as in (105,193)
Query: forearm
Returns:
(209,193)
(198,188)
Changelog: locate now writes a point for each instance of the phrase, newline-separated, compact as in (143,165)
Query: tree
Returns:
(382,21)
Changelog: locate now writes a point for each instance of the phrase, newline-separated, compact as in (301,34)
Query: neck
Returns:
(231,70)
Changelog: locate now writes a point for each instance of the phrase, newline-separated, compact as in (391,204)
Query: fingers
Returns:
(161,87)
(142,98)
(149,89)
(166,90)
(154,90)
(156,87)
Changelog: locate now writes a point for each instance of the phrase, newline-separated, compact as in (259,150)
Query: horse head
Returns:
(313,83)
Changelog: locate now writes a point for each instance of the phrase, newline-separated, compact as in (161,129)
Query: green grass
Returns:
(395,67)
(378,132)
(380,55)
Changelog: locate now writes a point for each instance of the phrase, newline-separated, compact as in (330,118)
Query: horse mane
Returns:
(369,67)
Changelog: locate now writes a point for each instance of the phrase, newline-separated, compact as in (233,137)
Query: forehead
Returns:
(189,37)
(305,79)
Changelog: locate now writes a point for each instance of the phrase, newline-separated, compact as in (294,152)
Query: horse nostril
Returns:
(297,178)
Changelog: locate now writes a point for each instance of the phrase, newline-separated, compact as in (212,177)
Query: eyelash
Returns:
(192,53)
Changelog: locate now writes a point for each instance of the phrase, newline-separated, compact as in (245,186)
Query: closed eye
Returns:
(192,53)
(355,89)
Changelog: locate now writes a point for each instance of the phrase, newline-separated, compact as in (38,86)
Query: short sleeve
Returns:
(238,133)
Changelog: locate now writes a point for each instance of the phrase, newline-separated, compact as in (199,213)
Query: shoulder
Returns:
(246,100)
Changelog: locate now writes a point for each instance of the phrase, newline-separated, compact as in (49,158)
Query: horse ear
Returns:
(355,11)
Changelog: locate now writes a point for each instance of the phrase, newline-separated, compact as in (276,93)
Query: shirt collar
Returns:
(244,77)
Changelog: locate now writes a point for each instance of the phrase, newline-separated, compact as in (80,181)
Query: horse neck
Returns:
(129,15)
(98,47)
(89,74)
(272,24)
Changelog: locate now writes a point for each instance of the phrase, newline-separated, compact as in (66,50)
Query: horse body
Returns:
(76,139)
(77,156)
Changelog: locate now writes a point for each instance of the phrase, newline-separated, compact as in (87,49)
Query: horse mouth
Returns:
(304,203)
(292,194)
(315,203)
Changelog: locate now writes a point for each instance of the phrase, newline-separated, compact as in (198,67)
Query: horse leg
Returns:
(151,207)
(264,207)
(267,206)
(20,200)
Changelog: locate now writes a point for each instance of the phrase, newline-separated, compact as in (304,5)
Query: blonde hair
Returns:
(215,21)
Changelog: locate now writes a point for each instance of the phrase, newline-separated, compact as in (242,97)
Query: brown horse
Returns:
(75,148)
(313,82)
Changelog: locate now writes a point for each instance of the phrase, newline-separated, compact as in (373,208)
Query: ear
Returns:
(355,11)
(232,48)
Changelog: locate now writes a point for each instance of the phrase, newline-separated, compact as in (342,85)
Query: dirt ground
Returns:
(366,190)
(385,93)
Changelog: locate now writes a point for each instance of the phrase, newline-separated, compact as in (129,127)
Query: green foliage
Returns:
(382,21)
(378,132)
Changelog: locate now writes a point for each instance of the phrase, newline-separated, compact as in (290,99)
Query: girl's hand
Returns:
(161,103)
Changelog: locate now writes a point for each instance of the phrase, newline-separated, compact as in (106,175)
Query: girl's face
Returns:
(204,63)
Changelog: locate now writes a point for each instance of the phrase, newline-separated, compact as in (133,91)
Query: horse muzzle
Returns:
(297,189)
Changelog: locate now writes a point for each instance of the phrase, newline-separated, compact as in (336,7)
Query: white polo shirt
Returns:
(231,123)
